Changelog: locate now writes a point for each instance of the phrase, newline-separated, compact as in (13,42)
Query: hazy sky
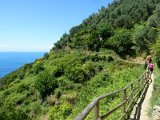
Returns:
(35,25)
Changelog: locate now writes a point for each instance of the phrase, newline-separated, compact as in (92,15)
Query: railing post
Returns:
(148,75)
(96,111)
(123,99)
(144,77)
(139,84)
(131,91)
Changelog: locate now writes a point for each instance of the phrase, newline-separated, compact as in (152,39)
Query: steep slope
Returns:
(63,83)
(126,26)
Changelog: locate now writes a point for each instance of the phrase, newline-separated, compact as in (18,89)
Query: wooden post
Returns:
(131,91)
(138,84)
(145,77)
(96,111)
(123,99)
(148,75)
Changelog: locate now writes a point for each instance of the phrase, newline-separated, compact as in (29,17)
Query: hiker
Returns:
(151,67)
(147,62)
(150,60)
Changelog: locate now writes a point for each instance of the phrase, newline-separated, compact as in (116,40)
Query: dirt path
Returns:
(146,103)
(140,111)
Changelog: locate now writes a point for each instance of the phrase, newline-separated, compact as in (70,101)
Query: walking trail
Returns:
(140,111)
(146,103)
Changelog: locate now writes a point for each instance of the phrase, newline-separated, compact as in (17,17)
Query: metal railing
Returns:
(136,87)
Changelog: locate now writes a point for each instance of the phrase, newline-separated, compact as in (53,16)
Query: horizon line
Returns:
(25,51)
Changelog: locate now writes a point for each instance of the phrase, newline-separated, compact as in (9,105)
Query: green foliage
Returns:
(110,59)
(9,78)
(114,80)
(139,38)
(124,21)
(46,55)
(157,51)
(121,42)
(69,81)
(37,68)
(154,19)
(45,84)
(73,73)
(77,75)
(155,100)
(93,43)
(75,29)
(102,29)
(58,71)
(13,114)
(65,110)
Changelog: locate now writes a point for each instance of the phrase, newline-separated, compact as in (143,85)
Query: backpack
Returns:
(151,65)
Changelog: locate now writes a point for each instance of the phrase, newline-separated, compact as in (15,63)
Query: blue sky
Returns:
(35,25)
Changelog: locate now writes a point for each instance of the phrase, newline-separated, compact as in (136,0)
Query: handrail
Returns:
(95,103)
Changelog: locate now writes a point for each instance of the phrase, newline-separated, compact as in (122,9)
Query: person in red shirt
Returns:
(151,67)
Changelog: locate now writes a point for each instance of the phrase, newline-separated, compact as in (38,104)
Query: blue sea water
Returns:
(10,61)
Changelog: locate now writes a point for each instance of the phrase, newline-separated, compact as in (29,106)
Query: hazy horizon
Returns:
(10,61)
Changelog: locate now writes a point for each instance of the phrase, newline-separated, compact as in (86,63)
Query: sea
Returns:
(10,61)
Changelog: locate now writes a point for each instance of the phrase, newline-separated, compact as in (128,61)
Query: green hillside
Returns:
(89,61)
(62,83)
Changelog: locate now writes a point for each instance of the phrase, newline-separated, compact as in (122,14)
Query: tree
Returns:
(104,30)
(45,84)
(154,20)
(93,43)
(156,47)
(124,21)
(139,38)
(121,42)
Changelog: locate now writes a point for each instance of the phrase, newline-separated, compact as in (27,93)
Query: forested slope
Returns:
(126,26)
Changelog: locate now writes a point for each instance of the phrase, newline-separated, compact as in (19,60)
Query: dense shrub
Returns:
(77,75)
(65,84)
(110,59)
(45,84)
(89,67)
(121,42)
(27,66)
(9,78)
(46,56)
(58,71)
(158,59)
(157,51)
(96,58)
(65,110)
(21,76)
(13,114)
(37,68)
